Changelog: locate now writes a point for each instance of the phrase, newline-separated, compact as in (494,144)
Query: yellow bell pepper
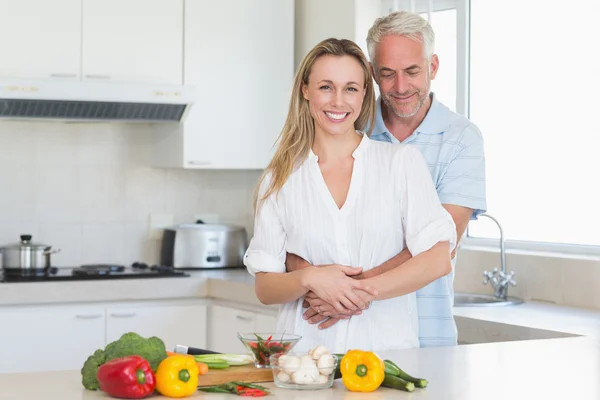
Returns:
(362,371)
(177,376)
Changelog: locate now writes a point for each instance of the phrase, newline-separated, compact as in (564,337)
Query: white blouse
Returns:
(391,204)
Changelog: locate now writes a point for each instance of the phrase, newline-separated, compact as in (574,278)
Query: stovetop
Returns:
(92,272)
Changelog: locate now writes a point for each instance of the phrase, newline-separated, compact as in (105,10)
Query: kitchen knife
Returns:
(181,349)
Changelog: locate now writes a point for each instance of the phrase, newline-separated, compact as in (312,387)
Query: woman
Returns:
(338,199)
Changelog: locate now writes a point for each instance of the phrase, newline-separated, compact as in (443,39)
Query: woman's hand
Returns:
(333,285)
(318,306)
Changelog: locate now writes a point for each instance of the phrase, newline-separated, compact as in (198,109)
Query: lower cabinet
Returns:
(54,338)
(49,338)
(226,322)
(174,324)
(61,337)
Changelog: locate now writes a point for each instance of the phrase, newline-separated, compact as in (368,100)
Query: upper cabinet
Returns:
(40,39)
(239,54)
(133,40)
(99,40)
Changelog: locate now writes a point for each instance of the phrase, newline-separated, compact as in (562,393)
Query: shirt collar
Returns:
(436,120)
(360,149)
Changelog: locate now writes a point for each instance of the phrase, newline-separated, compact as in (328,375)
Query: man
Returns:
(401,49)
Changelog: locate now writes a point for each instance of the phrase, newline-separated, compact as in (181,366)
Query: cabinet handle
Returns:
(59,75)
(88,316)
(199,162)
(242,318)
(123,315)
(97,76)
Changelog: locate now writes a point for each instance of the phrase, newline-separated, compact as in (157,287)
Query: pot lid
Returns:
(26,243)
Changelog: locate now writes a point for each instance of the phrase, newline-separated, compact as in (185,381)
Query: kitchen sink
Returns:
(483,300)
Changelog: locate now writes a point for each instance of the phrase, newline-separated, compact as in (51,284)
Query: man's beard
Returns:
(423,95)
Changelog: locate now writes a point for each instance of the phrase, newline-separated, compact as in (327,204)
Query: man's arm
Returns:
(461,216)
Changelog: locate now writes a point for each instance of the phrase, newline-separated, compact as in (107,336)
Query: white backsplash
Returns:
(88,189)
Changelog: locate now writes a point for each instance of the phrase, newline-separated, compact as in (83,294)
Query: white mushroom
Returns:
(318,351)
(307,373)
(321,380)
(289,364)
(283,377)
(326,364)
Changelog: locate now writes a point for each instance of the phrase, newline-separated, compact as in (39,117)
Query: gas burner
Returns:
(29,272)
(97,269)
(91,272)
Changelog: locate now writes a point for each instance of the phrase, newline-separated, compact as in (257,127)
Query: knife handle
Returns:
(181,349)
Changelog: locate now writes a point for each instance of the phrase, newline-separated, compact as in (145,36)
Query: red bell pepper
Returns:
(127,378)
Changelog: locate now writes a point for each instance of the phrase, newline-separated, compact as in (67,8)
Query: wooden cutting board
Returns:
(244,373)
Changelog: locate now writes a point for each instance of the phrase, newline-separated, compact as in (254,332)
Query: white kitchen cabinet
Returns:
(53,338)
(224,325)
(174,323)
(226,322)
(239,54)
(265,323)
(40,39)
(49,338)
(133,41)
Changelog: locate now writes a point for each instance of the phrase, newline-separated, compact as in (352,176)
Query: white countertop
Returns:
(236,285)
(538,369)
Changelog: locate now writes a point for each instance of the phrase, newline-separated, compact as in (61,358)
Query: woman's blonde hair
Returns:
(297,135)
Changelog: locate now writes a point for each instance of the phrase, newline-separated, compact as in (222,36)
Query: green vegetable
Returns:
(217,365)
(391,369)
(229,359)
(337,374)
(90,370)
(394,382)
(397,371)
(131,344)
(152,349)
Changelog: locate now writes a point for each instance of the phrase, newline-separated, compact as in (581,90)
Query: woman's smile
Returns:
(336,117)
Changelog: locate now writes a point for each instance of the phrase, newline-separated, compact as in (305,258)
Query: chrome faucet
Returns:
(499,280)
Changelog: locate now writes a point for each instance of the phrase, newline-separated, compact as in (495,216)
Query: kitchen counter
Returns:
(537,369)
(530,320)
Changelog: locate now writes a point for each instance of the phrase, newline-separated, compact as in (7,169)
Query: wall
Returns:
(561,279)
(345,19)
(88,190)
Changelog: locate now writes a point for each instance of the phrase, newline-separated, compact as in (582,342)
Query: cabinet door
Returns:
(40,39)
(224,325)
(265,323)
(133,40)
(240,54)
(49,338)
(174,324)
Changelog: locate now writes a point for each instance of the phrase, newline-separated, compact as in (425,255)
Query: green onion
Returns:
(231,359)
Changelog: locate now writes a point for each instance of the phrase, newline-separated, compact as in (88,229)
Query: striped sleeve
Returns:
(424,220)
(463,183)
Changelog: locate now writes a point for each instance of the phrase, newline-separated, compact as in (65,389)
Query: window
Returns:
(443,19)
(534,82)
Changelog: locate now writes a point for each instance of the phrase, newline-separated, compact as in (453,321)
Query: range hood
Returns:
(93,101)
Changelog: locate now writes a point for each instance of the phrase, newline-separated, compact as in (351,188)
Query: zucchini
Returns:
(337,373)
(397,372)
(391,370)
(397,383)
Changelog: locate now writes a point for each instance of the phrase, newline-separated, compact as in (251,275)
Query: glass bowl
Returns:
(303,373)
(264,345)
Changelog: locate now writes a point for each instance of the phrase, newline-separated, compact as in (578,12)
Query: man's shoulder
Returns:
(461,129)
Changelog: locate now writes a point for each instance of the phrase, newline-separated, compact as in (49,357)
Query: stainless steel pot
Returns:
(26,255)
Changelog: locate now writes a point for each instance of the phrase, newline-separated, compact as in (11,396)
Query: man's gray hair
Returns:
(402,23)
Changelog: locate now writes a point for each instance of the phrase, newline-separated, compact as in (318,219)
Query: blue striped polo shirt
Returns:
(453,149)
